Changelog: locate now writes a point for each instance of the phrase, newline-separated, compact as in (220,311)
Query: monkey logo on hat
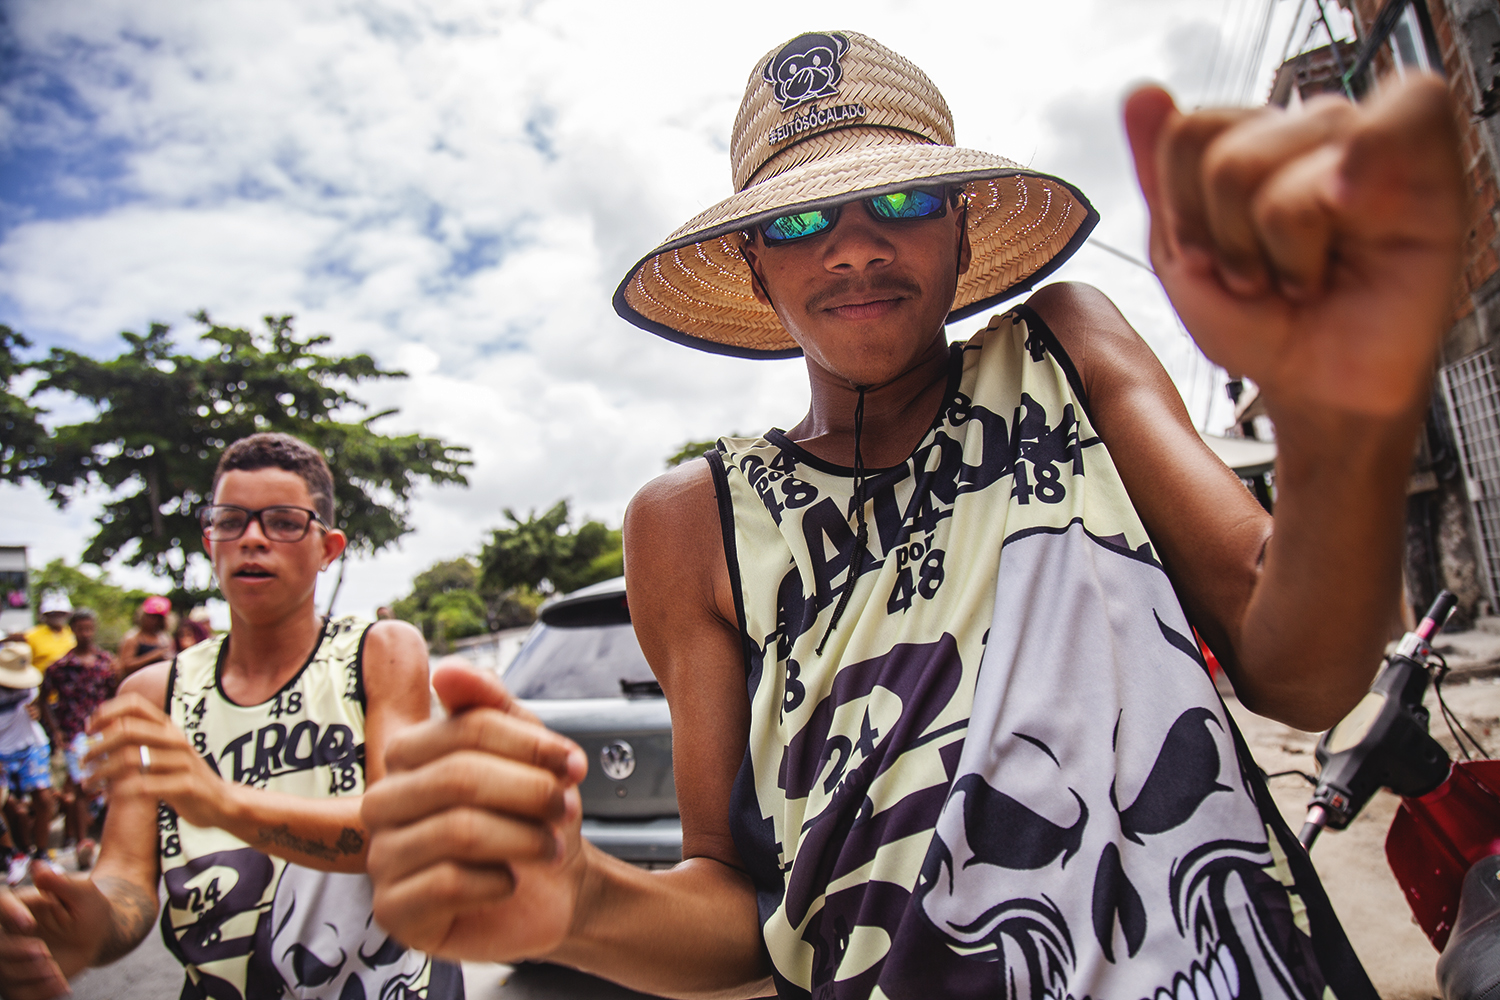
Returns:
(807,69)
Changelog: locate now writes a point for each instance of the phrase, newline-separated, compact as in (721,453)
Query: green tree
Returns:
(691,450)
(23,439)
(546,554)
(115,605)
(162,416)
(447,602)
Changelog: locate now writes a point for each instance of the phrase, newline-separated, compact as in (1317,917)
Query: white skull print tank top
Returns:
(251,926)
(1008,773)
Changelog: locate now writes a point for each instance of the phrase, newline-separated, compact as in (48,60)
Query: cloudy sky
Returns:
(456,186)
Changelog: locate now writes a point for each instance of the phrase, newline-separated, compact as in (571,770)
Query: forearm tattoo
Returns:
(350,842)
(134,911)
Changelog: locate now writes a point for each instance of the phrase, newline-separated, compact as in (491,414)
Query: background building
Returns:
(15,596)
(1453,515)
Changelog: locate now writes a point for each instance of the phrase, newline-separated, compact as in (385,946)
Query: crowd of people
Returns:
(52,678)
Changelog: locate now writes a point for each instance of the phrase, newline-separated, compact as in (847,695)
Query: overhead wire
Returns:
(1257,52)
(1212,65)
(1286,50)
(1230,83)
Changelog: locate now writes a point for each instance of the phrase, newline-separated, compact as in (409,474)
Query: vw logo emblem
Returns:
(617,759)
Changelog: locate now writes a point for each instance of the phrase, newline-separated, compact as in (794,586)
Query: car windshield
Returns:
(577,663)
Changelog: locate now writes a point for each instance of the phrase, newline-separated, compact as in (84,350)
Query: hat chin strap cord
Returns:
(862,530)
(755,277)
(862,533)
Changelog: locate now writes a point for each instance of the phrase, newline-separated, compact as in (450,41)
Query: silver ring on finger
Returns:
(145,758)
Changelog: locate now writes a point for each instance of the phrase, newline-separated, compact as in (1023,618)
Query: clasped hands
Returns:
(475,849)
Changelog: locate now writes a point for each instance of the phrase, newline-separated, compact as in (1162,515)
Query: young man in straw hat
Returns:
(940,724)
(242,797)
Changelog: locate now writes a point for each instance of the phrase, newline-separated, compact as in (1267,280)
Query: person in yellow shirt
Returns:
(52,639)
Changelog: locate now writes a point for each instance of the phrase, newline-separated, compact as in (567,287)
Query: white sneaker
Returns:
(20,865)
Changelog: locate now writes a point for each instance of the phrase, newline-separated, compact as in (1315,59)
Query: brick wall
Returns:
(1480,286)
(1440,542)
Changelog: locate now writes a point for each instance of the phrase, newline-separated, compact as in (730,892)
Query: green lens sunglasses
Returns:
(915,203)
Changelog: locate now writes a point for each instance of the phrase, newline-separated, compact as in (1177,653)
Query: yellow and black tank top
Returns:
(251,926)
(1008,773)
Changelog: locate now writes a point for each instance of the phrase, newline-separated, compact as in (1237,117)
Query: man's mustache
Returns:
(891,286)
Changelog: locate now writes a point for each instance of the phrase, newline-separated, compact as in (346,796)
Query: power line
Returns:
(1131,258)
(1258,52)
(1286,50)
(1206,95)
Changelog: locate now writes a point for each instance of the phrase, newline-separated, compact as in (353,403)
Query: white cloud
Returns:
(457,186)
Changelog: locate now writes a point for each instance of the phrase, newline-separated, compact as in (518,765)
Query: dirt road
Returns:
(1351,862)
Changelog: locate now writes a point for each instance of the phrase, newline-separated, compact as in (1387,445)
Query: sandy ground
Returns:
(1396,954)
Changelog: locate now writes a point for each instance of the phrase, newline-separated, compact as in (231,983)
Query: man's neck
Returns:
(264,656)
(897,413)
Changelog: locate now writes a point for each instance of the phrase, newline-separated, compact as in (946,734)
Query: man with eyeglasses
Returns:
(941,721)
(236,773)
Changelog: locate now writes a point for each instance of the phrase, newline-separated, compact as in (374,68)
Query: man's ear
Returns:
(334,543)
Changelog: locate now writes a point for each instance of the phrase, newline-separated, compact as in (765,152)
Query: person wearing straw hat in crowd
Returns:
(242,797)
(25,757)
(50,638)
(941,725)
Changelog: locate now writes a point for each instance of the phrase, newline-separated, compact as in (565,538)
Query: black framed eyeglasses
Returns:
(897,206)
(224,522)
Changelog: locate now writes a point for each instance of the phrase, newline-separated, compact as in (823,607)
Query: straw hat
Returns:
(828,118)
(16,670)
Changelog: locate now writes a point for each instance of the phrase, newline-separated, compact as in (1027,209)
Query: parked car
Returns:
(582,672)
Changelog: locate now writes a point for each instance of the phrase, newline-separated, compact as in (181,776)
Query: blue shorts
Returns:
(27,770)
(73,754)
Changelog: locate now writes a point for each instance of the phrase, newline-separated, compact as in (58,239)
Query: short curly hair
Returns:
(282,451)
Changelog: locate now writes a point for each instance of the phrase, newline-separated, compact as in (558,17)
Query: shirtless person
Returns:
(149,642)
(243,796)
(940,725)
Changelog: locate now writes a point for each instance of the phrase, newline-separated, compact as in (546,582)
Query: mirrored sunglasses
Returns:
(916,203)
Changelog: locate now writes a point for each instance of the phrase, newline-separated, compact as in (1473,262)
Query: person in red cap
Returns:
(150,641)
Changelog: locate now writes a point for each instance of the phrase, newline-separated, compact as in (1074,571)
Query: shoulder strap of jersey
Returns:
(731,555)
(171,686)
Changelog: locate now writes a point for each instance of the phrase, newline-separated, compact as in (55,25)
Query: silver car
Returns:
(582,672)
